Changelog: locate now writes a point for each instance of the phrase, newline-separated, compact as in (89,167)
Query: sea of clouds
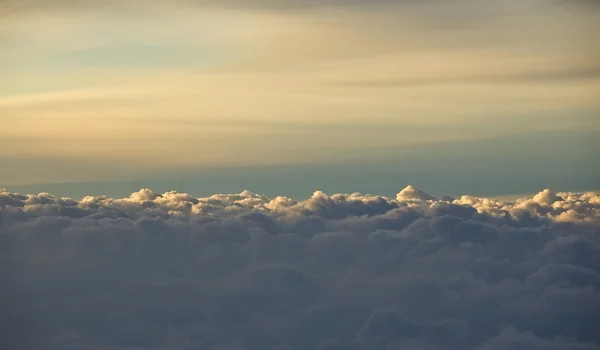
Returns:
(248,272)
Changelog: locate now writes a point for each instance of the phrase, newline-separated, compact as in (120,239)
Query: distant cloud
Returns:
(411,192)
(343,271)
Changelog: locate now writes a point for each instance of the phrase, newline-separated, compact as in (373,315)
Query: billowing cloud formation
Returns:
(244,271)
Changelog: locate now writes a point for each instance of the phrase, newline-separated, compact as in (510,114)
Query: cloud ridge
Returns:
(342,271)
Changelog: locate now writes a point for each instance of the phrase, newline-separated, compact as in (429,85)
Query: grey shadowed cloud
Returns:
(245,271)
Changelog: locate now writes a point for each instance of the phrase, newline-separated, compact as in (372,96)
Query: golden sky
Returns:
(164,85)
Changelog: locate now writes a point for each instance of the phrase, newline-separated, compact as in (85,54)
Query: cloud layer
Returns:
(244,271)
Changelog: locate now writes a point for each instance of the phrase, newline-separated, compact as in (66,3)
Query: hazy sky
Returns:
(457,96)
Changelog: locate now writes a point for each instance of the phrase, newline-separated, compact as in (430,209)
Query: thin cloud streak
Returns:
(592,74)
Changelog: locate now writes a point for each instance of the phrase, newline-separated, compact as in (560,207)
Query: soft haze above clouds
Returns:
(157,90)
(345,271)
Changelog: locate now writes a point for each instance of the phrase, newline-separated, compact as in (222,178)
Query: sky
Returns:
(178,93)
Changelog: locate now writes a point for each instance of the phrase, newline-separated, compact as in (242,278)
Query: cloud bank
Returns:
(245,271)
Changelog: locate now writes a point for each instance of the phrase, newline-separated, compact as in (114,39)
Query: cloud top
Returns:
(342,271)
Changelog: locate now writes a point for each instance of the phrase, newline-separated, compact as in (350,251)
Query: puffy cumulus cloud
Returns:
(245,271)
(411,192)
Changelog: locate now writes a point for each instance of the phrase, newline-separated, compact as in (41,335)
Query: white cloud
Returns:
(343,271)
